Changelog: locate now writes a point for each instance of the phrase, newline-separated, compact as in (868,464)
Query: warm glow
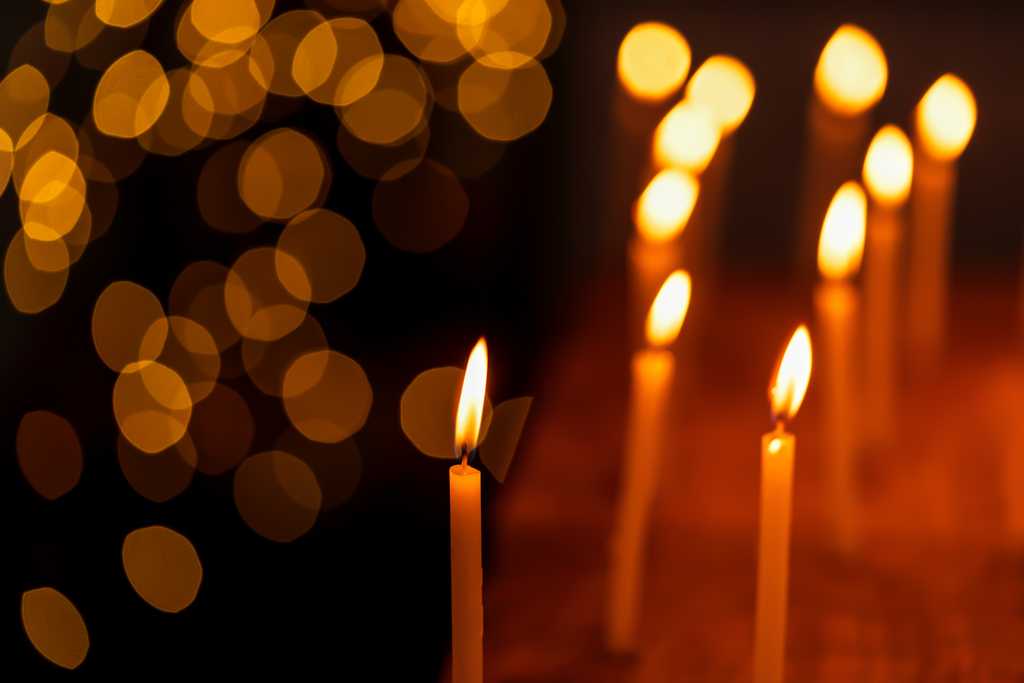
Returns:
(889,166)
(665,205)
(841,245)
(792,375)
(668,311)
(852,72)
(687,137)
(471,401)
(946,116)
(726,86)
(653,61)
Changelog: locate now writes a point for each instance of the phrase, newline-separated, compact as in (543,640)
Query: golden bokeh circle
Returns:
(152,406)
(427,411)
(503,104)
(131,95)
(400,208)
(258,304)
(281,174)
(277,495)
(49,453)
(161,476)
(330,251)
(55,627)
(163,567)
(123,314)
(327,396)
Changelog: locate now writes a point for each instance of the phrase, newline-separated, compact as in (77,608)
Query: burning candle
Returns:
(849,79)
(687,137)
(653,369)
(467,560)
(836,302)
(944,122)
(888,171)
(786,392)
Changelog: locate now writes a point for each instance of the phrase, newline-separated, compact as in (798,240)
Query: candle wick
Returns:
(780,426)
(465,462)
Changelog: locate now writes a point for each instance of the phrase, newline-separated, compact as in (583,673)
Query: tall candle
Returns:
(849,79)
(888,172)
(778,449)
(467,561)
(653,369)
(944,122)
(836,305)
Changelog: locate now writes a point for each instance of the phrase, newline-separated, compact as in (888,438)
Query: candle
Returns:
(653,369)
(849,79)
(777,453)
(888,171)
(687,137)
(467,562)
(654,59)
(836,304)
(944,122)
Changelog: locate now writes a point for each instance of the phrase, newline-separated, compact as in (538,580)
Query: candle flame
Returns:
(687,137)
(665,205)
(726,86)
(471,401)
(889,166)
(668,311)
(653,61)
(852,71)
(841,245)
(792,375)
(946,117)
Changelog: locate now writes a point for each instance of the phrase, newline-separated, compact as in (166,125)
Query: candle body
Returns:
(881,292)
(467,575)
(836,306)
(652,373)
(777,452)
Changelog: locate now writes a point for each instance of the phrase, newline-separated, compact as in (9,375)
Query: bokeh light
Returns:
(726,87)
(277,495)
(687,137)
(266,362)
(54,627)
(275,48)
(666,204)
(399,208)
(124,13)
(395,109)
(220,205)
(946,117)
(327,396)
(328,248)
(30,290)
(841,245)
(504,104)
(130,96)
(198,294)
(49,453)
(31,49)
(159,476)
(427,30)
(225,21)
(339,61)
(163,567)
(502,439)
(257,303)
(24,97)
(281,174)
(124,312)
(889,166)
(221,430)
(654,59)
(187,348)
(502,34)
(337,467)
(852,71)
(186,119)
(152,405)
(387,162)
(427,411)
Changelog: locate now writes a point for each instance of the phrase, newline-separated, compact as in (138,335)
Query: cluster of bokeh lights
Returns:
(177,407)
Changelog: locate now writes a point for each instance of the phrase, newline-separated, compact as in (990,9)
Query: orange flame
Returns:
(946,117)
(792,375)
(841,245)
(668,311)
(471,401)
(852,71)
(665,205)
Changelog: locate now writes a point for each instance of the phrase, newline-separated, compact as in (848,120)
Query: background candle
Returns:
(836,304)
(778,449)
(652,372)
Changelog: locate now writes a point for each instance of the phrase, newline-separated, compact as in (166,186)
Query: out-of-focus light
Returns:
(665,205)
(792,375)
(889,166)
(687,137)
(667,313)
(725,86)
(946,117)
(852,71)
(654,59)
(54,627)
(841,245)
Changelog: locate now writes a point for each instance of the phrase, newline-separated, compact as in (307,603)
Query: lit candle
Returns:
(944,122)
(687,137)
(849,79)
(888,171)
(653,369)
(467,561)
(836,303)
(654,59)
(777,452)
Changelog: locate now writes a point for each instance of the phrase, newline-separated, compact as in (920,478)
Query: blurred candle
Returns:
(653,369)
(466,548)
(836,303)
(944,122)
(654,59)
(687,137)
(849,79)
(888,172)
(778,449)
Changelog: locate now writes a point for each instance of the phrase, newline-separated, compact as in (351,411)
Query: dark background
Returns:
(365,594)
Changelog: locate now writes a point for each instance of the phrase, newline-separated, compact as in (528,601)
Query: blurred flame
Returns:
(471,401)
(665,205)
(946,117)
(792,375)
(653,61)
(889,166)
(687,137)
(668,311)
(726,86)
(852,71)
(841,245)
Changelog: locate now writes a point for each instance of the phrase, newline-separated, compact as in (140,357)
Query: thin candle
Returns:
(653,369)
(778,448)
(466,545)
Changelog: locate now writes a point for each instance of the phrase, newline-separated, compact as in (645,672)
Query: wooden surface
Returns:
(933,589)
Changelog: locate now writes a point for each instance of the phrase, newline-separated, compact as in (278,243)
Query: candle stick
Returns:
(945,120)
(778,449)
(467,562)
(850,78)
(836,302)
(653,369)
(888,171)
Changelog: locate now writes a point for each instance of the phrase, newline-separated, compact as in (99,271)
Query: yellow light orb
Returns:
(665,205)
(852,71)
(889,166)
(687,137)
(654,59)
(946,117)
(726,86)
(841,245)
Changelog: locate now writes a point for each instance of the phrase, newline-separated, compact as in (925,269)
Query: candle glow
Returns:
(726,86)
(946,117)
(841,245)
(654,59)
(687,137)
(665,205)
(665,319)
(471,401)
(889,166)
(792,375)
(852,71)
